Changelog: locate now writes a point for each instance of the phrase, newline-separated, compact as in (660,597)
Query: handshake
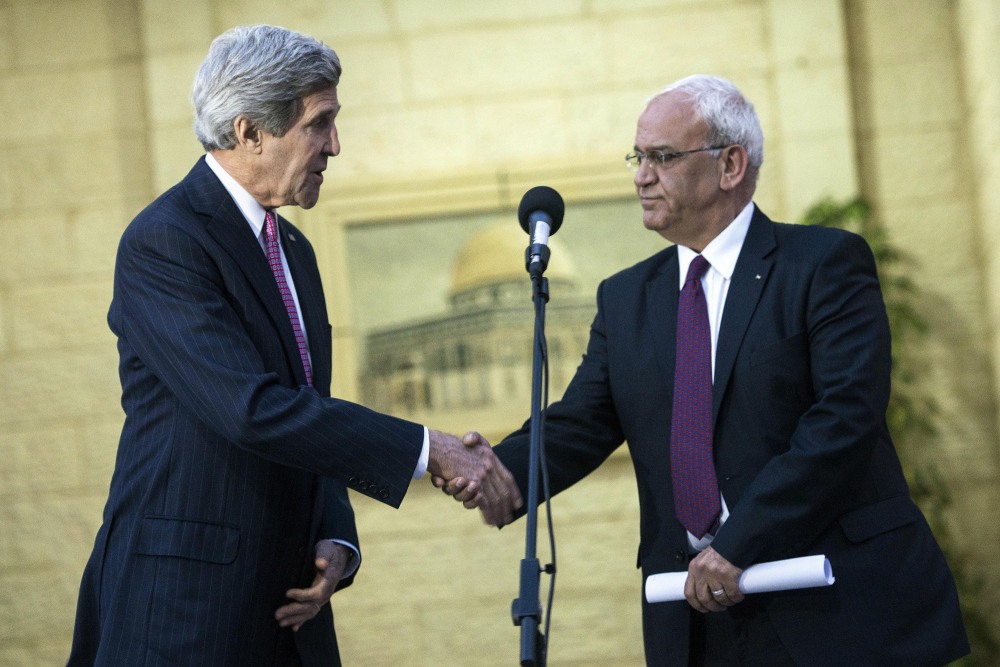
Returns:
(469,471)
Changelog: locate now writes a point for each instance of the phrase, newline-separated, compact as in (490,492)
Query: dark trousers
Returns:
(742,636)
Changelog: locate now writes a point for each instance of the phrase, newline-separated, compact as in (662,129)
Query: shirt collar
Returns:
(251,209)
(724,249)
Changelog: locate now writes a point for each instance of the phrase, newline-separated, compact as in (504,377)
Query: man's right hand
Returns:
(472,469)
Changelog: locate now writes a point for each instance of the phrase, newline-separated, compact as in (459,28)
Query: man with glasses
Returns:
(747,366)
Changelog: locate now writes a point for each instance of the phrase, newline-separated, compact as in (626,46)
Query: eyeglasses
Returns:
(661,159)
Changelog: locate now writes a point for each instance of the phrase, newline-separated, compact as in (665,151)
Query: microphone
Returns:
(540,214)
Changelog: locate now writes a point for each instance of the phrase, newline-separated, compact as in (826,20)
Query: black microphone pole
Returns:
(540,205)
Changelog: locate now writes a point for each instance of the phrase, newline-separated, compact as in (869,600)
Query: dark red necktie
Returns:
(274,259)
(692,469)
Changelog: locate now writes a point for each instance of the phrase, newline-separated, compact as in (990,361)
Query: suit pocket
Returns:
(880,517)
(183,538)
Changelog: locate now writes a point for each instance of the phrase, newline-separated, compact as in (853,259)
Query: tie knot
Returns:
(699,265)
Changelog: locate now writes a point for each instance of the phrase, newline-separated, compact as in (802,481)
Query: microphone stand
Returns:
(526,610)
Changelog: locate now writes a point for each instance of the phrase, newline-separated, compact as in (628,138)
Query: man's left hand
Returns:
(331,559)
(712,582)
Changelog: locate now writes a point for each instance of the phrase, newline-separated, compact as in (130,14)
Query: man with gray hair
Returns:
(747,366)
(228,524)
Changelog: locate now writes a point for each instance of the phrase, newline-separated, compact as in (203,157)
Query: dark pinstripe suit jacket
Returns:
(229,469)
(802,451)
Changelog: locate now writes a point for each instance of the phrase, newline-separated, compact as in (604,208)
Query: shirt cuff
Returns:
(424,456)
(354,563)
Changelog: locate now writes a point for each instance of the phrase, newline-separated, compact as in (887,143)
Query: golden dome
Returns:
(496,255)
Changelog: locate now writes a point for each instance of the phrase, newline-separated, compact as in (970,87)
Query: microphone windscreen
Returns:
(544,199)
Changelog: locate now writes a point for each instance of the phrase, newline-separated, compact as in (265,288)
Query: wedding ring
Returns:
(719,592)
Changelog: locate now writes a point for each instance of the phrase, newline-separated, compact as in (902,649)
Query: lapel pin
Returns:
(291,237)
(757,276)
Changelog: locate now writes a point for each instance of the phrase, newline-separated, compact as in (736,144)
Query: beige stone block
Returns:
(900,30)
(814,168)
(19,655)
(84,30)
(98,445)
(73,172)
(169,79)
(370,631)
(181,25)
(47,530)
(807,32)
(40,458)
(414,140)
(518,131)
(6,38)
(598,625)
(71,104)
(918,165)
(813,101)
(760,89)
(915,94)
(350,19)
(93,234)
(917,227)
(499,62)
(28,615)
(7,169)
(37,245)
(174,150)
(487,620)
(418,15)
(626,7)
(373,75)
(978,25)
(50,385)
(770,193)
(672,44)
(63,315)
(4,318)
(602,122)
(332,22)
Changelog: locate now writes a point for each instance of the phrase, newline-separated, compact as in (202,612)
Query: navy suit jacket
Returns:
(229,468)
(801,447)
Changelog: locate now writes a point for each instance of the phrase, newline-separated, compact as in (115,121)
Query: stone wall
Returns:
(452,106)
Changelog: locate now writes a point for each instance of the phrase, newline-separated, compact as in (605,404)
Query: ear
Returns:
(248,135)
(735,161)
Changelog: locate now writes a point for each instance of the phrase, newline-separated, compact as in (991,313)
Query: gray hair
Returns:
(730,116)
(261,72)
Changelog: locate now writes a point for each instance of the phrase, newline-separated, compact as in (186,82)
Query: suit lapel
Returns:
(230,229)
(661,304)
(747,285)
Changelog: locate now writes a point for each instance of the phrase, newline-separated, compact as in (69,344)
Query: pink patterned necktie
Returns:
(696,489)
(274,259)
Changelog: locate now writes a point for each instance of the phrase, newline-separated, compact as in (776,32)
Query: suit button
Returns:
(383,493)
(363,485)
(352,480)
(678,555)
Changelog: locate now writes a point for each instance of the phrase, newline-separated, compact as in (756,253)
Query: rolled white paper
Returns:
(779,575)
